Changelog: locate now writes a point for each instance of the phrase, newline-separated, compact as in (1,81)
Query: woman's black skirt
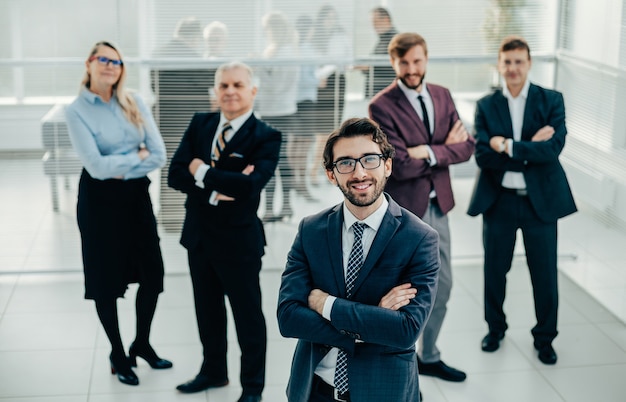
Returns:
(119,236)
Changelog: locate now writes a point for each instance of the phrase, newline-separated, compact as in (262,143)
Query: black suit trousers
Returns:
(213,279)
(500,224)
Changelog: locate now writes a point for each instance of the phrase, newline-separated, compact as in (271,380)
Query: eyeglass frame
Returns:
(381,157)
(105,61)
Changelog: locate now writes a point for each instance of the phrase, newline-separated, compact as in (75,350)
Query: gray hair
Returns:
(234,65)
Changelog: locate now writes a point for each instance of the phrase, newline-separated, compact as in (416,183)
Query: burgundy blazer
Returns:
(412,179)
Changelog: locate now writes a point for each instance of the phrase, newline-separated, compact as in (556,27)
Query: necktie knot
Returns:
(358,228)
(220,143)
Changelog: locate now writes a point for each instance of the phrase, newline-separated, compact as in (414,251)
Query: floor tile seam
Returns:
(579,366)
(8,300)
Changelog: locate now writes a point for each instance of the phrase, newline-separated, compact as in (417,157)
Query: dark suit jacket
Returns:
(410,181)
(546,183)
(231,228)
(382,367)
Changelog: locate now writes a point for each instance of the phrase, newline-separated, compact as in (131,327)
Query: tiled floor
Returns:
(52,348)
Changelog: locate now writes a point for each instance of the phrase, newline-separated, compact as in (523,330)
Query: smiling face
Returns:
(411,68)
(514,66)
(235,92)
(362,188)
(104,76)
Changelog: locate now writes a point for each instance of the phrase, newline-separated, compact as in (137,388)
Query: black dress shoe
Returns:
(121,366)
(249,398)
(148,354)
(547,355)
(491,341)
(441,370)
(200,383)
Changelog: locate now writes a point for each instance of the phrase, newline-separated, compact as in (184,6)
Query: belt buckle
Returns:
(337,396)
(522,192)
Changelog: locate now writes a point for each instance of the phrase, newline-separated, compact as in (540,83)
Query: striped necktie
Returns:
(355,261)
(220,143)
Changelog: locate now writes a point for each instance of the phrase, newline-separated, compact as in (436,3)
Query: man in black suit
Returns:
(520,132)
(222,163)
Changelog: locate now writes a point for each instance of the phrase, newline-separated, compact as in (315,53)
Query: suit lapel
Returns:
(502,110)
(334,230)
(529,114)
(211,129)
(240,136)
(238,139)
(404,106)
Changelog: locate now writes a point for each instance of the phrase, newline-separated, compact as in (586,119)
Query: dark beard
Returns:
(363,202)
(415,86)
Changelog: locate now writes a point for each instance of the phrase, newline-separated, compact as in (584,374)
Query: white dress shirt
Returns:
(517,105)
(326,368)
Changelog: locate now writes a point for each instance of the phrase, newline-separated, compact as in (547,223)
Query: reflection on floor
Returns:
(53,349)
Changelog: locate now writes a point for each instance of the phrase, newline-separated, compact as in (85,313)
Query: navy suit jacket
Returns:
(232,228)
(412,179)
(383,365)
(548,189)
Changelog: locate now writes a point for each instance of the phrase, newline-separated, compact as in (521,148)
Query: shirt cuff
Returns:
(213,198)
(200,173)
(509,146)
(328,306)
(432,160)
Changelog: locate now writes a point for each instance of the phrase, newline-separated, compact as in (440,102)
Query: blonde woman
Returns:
(118,143)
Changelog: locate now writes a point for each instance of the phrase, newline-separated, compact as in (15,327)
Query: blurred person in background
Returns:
(380,76)
(331,43)
(276,102)
(304,136)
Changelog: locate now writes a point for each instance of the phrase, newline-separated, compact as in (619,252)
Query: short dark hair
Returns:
(401,43)
(514,42)
(381,12)
(354,127)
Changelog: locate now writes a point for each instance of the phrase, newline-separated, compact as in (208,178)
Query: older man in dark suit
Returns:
(423,125)
(222,163)
(359,283)
(520,133)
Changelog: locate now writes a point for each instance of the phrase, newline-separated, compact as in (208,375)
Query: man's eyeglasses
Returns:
(105,61)
(347,165)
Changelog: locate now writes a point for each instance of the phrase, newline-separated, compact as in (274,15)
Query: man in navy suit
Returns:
(373,321)
(520,132)
(222,163)
(423,125)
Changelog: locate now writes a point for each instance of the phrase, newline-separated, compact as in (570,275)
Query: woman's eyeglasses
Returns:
(105,61)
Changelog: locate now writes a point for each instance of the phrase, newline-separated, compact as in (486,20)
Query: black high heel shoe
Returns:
(149,355)
(121,367)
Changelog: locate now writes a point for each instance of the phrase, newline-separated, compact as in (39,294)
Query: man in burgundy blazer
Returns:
(423,125)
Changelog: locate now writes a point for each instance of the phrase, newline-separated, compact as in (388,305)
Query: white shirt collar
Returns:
(522,95)
(373,221)
(412,93)
(237,122)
